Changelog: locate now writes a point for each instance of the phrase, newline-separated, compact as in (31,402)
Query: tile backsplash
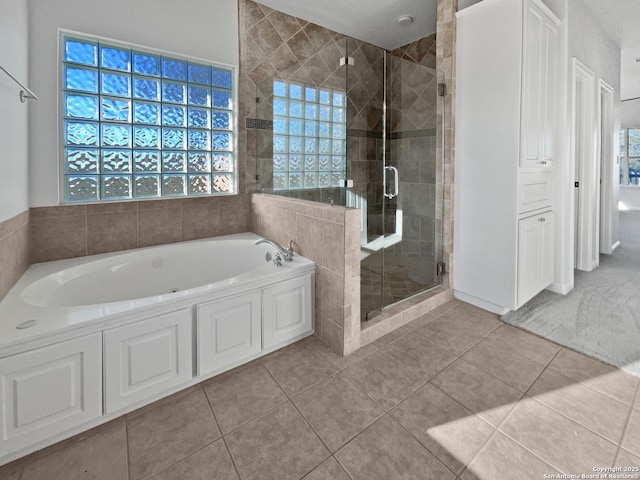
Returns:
(76,230)
(14,250)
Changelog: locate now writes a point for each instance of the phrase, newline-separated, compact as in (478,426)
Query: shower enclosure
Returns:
(394,139)
(359,126)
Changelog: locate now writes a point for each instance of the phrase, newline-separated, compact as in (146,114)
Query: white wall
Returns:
(14,184)
(589,43)
(206,29)
(630,114)
(629,198)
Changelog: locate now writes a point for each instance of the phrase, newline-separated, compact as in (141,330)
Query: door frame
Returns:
(607,163)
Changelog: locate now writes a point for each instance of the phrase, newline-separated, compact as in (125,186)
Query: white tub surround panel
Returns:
(506,150)
(110,333)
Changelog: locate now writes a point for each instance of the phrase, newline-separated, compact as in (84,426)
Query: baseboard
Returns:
(478,302)
(561,288)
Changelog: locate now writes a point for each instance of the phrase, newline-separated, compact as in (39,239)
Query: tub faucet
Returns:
(286,253)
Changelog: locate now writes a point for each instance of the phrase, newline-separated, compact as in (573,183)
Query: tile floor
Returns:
(454,395)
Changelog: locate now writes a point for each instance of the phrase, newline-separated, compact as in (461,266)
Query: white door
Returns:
(286,312)
(585,159)
(147,358)
(47,391)
(529,251)
(546,261)
(229,331)
(532,88)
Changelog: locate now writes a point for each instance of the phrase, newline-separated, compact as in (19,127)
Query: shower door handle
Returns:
(390,178)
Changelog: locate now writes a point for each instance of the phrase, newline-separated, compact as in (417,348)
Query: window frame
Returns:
(61,120)
(625,158)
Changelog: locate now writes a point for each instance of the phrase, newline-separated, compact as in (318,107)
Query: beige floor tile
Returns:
(243,396)
(458,329)
(337,410)
(102,456)
(386,451)
(597,375)
(162,436)
(480,392)
(450,431)
(631,440)
(525,344)
(421,321)
(393,336)
(589,408)
(562,443)
(636,405)
(627,459)
(507,365)
(210,462)
(339,361)
(384,378)
(330,469)
(299,368)
(278,445)
(421,355)
(504,459)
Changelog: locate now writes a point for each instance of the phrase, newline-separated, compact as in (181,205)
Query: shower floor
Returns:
(396,286)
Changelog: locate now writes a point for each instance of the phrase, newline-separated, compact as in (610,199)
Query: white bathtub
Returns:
(85,340)
(67,294)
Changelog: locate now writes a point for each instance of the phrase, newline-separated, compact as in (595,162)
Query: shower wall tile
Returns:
(77,230)
(14,251)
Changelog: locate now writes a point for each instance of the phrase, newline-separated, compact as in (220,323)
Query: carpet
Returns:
(601,315)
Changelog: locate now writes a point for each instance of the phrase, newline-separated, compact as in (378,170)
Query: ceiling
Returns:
(621,20)
(374,21)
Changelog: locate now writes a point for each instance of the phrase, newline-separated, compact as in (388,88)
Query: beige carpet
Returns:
(601,316)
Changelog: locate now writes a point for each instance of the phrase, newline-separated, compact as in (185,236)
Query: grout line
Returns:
(126,428)
(626,425)
(222,435)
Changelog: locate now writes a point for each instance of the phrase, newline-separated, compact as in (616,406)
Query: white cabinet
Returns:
(539,72)
(146,358)
(535,255)
(286,312)
(47,391)
(507,93)
(228,332)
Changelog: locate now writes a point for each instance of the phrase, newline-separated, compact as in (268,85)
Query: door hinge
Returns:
(576,184)
(442,89)
(441,268)
(346,61)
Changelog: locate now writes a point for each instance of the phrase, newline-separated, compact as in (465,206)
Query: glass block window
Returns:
(630,156)
(309,137)
(138,124)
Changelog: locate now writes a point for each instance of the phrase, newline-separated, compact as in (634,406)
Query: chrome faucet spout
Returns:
(287,253)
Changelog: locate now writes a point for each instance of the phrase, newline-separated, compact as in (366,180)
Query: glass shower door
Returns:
(412,198)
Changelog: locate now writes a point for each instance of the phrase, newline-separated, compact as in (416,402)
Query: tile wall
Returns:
(76,230)
(445,63)
(330,236)
(14,250)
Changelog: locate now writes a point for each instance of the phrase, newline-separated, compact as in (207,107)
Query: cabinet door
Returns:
(229,331)
(287,312)
(550,92)
(147,358)
(528,258)
(532,87)
(46,391)
(547,255)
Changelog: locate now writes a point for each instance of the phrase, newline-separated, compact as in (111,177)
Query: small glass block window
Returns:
(309,137)
(140,124)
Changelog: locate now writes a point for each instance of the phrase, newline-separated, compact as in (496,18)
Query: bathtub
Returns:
(57,296)
(85,340)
